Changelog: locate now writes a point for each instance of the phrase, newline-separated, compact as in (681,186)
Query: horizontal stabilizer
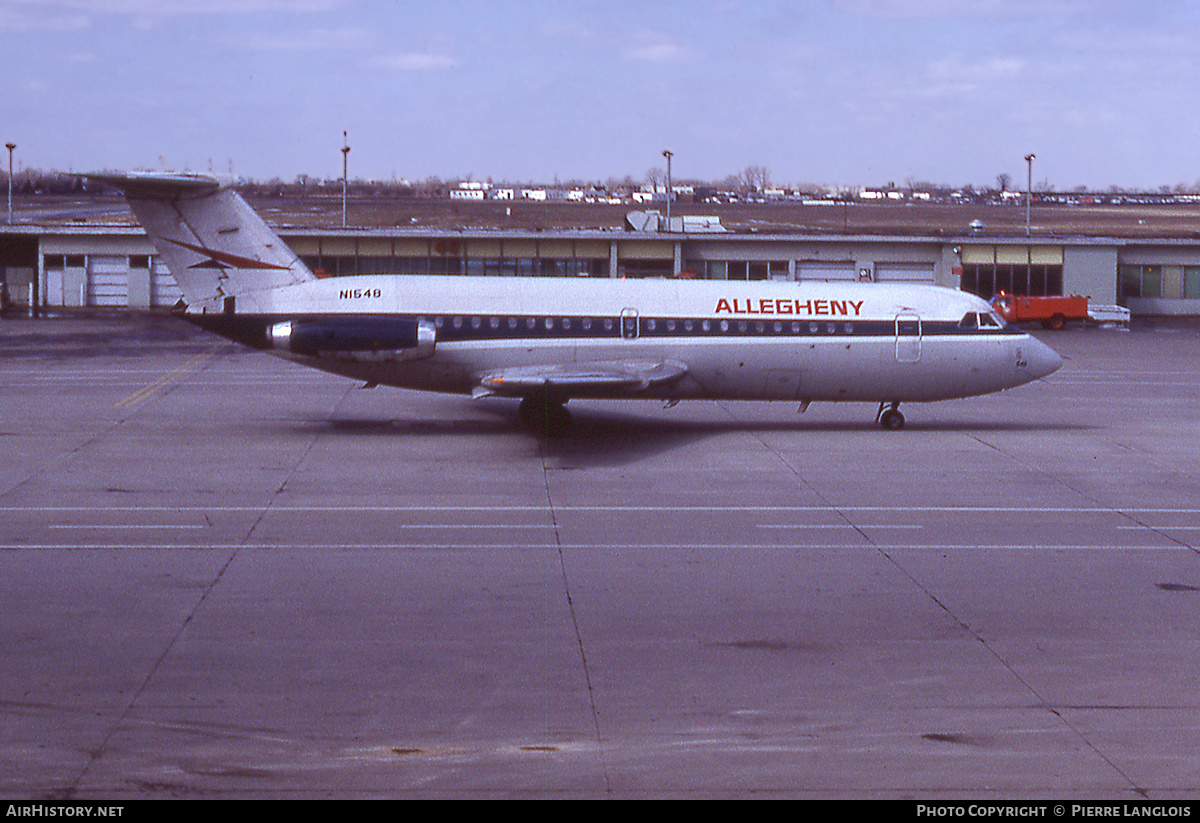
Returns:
(153,184)
(617,378)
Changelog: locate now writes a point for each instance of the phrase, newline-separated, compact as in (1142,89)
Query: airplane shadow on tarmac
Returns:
(601,436)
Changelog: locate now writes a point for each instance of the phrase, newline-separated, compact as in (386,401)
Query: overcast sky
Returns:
(1104,92)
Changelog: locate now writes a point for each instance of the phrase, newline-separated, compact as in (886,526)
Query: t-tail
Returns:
(214,244)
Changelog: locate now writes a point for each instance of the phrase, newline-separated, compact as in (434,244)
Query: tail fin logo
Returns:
(223,260)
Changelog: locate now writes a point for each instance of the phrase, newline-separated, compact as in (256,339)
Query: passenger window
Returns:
(990,321)
(970,320)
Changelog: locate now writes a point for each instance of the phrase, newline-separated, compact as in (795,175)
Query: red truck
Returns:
(1052,311)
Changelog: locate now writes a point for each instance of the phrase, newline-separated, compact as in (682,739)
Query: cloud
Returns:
(171,8)
(416,61)
(947,9)
(313,40)
(654,49)
(77,15)
(23,16)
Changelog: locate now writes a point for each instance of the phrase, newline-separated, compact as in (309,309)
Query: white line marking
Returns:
(620,508)
(120,527)
(834,526)
(629,546)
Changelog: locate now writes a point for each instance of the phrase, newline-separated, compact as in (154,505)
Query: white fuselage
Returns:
(740,340)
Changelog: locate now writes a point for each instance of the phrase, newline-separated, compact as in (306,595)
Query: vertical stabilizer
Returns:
(214,244)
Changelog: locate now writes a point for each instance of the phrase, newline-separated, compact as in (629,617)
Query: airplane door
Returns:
(908,338)
(629,324)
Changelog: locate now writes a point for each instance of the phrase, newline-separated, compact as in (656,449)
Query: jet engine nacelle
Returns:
(356,338)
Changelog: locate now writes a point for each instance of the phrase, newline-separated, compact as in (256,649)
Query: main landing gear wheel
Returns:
(545,415)
(890,418)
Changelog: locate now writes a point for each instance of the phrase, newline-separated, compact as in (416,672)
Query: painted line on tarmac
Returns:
(146,392)
(833,526)
(624,508)
(629,545)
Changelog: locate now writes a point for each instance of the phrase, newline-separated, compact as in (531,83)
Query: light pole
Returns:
(1028,190)
(668,155)
(345,173)
(10,147)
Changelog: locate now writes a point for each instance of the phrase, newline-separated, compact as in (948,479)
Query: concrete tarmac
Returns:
(226,576)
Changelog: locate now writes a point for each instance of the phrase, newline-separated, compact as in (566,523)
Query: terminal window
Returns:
(1139,281)
(737,269)
(1191,282)
(988,279)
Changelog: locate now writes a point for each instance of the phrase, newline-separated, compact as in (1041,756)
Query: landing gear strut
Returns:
(546,415)
(889,415)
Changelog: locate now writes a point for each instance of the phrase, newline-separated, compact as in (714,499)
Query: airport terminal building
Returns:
(116,266)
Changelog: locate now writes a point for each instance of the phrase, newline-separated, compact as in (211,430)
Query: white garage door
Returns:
(163,289)
(108,281)
(826,270)
(904,272)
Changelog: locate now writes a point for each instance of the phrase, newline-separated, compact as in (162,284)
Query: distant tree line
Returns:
(751,180)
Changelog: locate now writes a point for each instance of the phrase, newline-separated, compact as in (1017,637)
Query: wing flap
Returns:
(597,379)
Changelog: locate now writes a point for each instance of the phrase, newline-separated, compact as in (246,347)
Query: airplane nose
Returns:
(1042,360)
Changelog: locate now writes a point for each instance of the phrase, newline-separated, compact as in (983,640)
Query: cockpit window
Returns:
(981,320)
(991,321)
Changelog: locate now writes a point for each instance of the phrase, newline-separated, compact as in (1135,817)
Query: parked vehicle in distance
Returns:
(1052,311)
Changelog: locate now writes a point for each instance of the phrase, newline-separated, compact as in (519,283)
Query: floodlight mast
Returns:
(345,173)
(1028,190)
(10,147)
(668,155)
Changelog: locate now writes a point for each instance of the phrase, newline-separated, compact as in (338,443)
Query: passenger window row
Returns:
(649,326)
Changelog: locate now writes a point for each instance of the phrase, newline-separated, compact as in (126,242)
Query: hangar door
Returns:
(108,281)
(904,272)
(163,289)
(824,270)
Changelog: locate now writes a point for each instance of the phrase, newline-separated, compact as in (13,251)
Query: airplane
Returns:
(546,341)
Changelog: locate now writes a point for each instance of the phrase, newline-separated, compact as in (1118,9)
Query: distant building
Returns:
(115,265)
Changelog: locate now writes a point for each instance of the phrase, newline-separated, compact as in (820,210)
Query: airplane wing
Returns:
(597,379)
